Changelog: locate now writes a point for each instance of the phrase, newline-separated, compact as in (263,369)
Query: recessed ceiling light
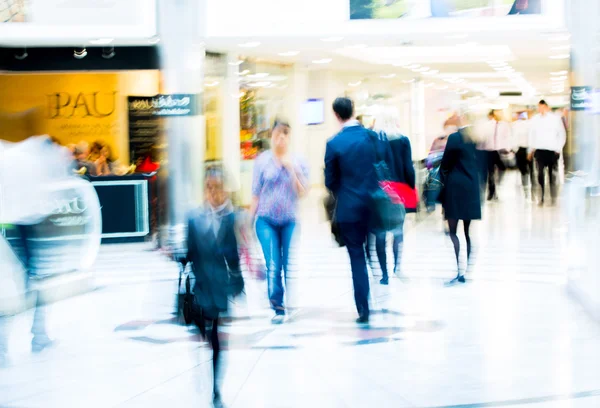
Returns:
(559,78)
(357,46)
(413,66)
(357,83)
(388,76)
(422,69)
(245,72)
(332,39)
(102,41)
(560,56)
(559,38)
(259,84)
(456,36)
(259,75)
(408,81)
(468,44)
(211,84)
(498,64)
(462,91)
(251,44)
(322,61)
(504,69)
(442,87)
(289,53)
(561,48)
(560,73)
(236,63)
(558,91)
(431,72)
(429,84)
(402,64)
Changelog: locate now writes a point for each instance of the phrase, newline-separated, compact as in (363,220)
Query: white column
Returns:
(296,96)
(181,28)
(230,123)
(417,122)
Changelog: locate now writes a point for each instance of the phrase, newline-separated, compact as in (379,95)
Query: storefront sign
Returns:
(581,98)
(393,9)
(144,127)
(176,105)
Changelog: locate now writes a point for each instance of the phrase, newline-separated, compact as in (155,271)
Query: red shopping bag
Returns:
(402,193)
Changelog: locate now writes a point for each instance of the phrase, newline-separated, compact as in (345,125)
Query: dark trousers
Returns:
(381,247)
(494,162)
(525,166)
(547,159)
(354,236)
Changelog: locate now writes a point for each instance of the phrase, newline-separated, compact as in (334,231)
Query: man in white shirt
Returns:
(496,141)
(547,138)
(520,132)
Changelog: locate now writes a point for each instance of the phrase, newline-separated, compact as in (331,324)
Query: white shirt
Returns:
(520,132)
(496,136)
(547,133)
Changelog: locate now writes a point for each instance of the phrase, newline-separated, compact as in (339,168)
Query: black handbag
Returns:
(387,213)
(330,208)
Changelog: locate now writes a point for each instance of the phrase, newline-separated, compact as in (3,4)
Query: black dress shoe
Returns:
(384,280)
(459,279)
(362,320)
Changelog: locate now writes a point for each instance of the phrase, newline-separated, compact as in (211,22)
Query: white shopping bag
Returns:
(12,281)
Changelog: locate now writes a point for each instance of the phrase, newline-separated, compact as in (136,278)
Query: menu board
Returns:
(144,127)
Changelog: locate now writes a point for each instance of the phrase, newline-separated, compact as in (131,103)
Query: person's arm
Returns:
(191,241)
(450,156)
(232,257)
(332,169)
(257,185)
(409,167)
(562,134)
(532,140)
(299,180)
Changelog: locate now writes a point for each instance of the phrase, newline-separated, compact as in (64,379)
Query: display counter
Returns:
(126,209)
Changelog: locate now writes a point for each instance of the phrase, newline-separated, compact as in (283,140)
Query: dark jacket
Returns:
(400,162)
(215,261)
(349,173)
(461,196)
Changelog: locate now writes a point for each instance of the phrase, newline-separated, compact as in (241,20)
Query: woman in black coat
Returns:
(461,197)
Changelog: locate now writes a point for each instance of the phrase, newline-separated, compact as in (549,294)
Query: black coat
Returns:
(215,262)
(461,197)
(400,162)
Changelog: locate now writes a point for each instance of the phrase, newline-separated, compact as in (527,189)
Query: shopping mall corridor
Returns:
(510,337)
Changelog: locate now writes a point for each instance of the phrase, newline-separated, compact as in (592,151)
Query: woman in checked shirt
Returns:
(279,181)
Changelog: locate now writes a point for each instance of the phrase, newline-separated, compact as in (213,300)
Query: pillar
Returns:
(181,29)
(230,123)
(417,122)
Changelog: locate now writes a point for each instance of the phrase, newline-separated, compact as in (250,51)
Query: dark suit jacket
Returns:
(215,261)
(349,173)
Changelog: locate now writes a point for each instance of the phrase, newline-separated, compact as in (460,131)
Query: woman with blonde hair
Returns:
(387,126)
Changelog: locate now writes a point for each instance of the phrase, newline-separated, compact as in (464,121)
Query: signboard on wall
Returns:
(144,127)
(393,9)
(581,98)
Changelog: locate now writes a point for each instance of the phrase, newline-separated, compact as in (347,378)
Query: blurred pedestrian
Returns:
(280,180)
(403,175)
(349,175)
(520,131)
(213,254)
(496,141)
(547,139)
(461,198)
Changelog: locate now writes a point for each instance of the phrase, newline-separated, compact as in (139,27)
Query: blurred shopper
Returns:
(213,253)
(403,175)
(547,139)
(349,159)
(461,196)
(496,141)
(104,162)
(520,131)
(80,154)
(279,180)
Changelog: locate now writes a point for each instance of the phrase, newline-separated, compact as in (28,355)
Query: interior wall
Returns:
(72,107)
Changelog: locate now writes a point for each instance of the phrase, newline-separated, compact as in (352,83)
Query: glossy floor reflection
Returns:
(511,337)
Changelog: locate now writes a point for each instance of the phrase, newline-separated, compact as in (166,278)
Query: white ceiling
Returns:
(470,61)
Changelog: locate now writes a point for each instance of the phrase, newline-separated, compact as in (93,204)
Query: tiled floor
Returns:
(510,338)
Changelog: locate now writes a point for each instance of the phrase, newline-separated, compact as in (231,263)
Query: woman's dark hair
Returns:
(281,122)
(344,108)
(543,102)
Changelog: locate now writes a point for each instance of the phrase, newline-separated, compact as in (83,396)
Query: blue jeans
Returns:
(275,240)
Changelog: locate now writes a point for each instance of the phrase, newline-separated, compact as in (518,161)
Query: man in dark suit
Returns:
(349,175)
